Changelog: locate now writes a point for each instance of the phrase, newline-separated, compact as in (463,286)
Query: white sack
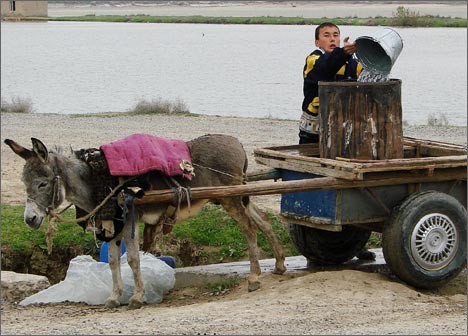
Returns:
(90,281)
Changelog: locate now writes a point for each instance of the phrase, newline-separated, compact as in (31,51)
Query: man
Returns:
(329,63)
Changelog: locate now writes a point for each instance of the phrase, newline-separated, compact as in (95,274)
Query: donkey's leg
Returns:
(133,257)
(114,263)
(264,224)
(236,210)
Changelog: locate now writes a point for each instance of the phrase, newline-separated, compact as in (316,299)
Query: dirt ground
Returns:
(329,302)
(324,303)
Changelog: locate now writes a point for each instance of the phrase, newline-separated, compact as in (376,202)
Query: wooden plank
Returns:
(266,174)
(410,163)
(303,150)
(433,143)
(408,173)
(321,183)
(312,161)
(434,148)
(299,166)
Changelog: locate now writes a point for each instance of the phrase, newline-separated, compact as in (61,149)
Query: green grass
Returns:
(213,227)
(375,241)
(221,287)
(21,238)
(402,17)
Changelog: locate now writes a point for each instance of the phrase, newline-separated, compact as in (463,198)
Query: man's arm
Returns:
(327,65)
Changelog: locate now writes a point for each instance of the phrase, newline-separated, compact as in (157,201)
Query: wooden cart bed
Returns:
(421,157)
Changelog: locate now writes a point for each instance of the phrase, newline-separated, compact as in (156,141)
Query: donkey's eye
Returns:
(42,185)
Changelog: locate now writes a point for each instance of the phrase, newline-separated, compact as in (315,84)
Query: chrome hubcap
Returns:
(434,241)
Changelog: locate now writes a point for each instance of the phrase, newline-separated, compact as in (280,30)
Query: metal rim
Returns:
(434,241)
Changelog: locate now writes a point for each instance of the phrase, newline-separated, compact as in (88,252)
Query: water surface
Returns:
(229,70)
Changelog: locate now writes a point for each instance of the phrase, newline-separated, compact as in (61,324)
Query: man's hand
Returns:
(349,47)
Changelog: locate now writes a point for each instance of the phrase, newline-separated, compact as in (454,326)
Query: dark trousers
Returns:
(305,138)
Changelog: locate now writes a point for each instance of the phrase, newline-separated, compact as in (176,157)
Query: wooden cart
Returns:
(418,203)
(331,206)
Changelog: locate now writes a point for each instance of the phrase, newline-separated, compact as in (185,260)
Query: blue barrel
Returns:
(104,251)
(104,255)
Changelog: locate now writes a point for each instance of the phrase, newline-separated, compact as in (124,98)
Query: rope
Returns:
(212,169)
(52,214)
(180,191)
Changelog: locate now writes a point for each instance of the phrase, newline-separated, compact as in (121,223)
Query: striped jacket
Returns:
(320,66)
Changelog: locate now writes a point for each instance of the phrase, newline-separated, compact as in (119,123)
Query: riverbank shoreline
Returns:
(305,9)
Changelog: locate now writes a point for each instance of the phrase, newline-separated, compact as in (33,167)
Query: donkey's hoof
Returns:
(254,285)
(135,304)
(112,303)
(279,270)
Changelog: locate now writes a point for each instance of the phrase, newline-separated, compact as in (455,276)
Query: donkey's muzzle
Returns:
(34,221)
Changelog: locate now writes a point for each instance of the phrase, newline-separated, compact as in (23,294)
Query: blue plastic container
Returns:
(104,251)
(104,255)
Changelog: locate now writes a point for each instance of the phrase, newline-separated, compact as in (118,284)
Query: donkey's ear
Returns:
(20,150)
(40,149)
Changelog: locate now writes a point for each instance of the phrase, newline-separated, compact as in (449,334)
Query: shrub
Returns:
(160,106)
(17,105)
(404,17)
(440,120)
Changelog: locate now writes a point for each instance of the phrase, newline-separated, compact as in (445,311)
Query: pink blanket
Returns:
(140,153)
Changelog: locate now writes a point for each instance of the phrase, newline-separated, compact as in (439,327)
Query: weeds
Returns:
(223,286)
(17,105)
(440,120)
(405,17)
(375,240)
(160,106)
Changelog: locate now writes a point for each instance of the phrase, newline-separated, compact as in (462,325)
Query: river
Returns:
(228,70)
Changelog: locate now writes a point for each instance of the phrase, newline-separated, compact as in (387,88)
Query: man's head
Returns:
(327,36)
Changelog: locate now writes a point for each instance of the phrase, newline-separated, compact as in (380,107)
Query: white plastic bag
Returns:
(90,281)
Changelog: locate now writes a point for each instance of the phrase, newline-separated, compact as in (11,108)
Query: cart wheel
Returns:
(327,247)
(424,243)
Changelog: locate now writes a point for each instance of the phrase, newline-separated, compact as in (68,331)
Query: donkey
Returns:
(53,177)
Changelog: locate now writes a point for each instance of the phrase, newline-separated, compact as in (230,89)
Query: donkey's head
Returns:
(43,187)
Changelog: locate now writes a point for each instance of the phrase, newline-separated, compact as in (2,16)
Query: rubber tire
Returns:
(328,247)
(396,239)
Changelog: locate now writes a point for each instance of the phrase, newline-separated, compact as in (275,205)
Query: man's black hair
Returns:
(325,24)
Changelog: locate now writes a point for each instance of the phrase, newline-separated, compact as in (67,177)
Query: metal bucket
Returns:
(379,51)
